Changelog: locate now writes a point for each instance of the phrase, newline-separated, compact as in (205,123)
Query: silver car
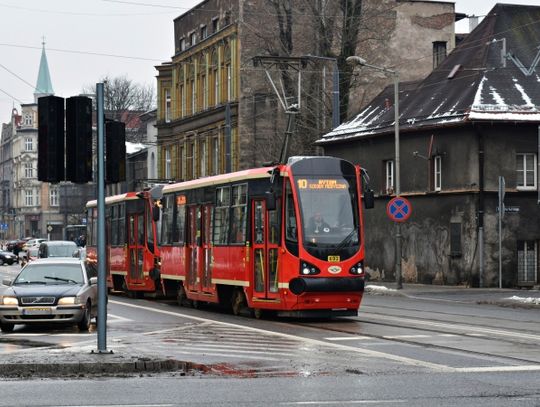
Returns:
(57,291)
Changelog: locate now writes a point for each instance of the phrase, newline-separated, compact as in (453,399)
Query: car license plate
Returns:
(37,311)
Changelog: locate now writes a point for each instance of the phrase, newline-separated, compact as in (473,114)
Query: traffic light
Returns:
(79,139)
(51,139)
(115,133)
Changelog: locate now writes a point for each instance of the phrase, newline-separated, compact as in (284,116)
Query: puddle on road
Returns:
(8,345)
(246,371)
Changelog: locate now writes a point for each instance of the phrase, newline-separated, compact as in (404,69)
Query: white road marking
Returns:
(365,352)
(407,336)
(340,402)
(347,338)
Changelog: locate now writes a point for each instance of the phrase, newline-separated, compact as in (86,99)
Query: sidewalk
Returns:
(138,354)
(505,297)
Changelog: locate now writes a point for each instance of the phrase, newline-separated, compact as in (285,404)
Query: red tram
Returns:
(288,239)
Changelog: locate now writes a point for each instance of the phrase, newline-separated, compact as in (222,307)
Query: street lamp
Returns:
(356,60)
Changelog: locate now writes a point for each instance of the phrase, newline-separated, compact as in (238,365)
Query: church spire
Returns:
(43,84)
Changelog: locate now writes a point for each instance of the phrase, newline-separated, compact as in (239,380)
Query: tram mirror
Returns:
(270,201)
(155,213)
(369,199)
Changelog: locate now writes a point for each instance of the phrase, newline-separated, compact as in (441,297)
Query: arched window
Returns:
(192,89)
(214,79)
(203,84)
(226,74)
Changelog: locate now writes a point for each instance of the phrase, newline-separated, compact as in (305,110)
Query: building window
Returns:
(53,197)
(28,197)
(204,32)
(182,44)
(455,239)
(215,156)
(28,170)
(167,163)
(28,144)
(437,164)
(192,39)
(527,262)
(167,105)
(389,177)
(526,171)
(193,97)
(203,158)
(27,119)
(215,25)
(439,52)
(229,83)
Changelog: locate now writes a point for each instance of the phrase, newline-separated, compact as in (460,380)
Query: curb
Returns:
(22,370)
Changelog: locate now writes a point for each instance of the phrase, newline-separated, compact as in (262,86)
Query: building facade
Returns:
(217,111)
(469,125)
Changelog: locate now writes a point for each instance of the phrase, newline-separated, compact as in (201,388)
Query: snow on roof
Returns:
(483,84)
(134,147)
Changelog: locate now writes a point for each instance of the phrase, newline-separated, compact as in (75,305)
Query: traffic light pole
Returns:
(102,275)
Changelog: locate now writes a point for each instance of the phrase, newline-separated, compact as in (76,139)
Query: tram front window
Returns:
(329,216)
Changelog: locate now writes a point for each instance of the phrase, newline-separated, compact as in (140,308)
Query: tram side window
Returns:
(291,231)
(167,219)
(179,232)
(114,225)
(239,208)
(122,224)
(221,215)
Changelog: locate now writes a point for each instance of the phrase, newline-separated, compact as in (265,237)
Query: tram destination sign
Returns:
(326,183)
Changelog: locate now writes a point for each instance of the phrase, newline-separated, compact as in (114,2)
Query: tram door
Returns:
(265,250)
(199,276)
(135,226)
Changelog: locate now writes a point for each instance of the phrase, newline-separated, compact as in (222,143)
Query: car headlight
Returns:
(10,301)
(68,301)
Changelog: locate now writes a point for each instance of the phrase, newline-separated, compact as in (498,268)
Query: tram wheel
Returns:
(258,313)
(239,304)
(181,297)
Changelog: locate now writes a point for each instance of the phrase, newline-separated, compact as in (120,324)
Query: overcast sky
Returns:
(88,39)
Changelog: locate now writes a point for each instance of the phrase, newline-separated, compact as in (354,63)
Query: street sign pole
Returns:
(102,276)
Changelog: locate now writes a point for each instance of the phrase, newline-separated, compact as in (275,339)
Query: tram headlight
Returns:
(357,269)
(307,269)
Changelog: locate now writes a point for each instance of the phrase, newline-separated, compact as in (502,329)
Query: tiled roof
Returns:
(480,80)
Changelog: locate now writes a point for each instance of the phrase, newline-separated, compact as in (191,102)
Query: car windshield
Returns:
(50,274)
(61,250)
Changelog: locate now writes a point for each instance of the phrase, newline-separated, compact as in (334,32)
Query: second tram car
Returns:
(287,239)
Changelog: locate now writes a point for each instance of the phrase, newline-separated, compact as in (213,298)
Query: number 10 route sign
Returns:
(399,209)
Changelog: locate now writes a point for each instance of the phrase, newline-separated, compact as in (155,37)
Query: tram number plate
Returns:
(37,311)
(333,259)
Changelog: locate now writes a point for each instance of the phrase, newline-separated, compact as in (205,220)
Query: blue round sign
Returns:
(399,209)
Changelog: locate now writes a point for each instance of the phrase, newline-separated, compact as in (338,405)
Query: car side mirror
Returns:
(93,280)
(76,253)
(7,282)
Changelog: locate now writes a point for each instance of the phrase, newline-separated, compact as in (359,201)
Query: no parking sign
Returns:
(399,209)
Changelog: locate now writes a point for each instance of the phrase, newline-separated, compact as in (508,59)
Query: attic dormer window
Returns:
(439,53)
(192,39)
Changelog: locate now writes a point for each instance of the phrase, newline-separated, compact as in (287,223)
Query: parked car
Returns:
(28,256)
(58,248)
(7,258)
(56,291)
(31,243)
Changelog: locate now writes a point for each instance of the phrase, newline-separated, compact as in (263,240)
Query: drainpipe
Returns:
(481,208)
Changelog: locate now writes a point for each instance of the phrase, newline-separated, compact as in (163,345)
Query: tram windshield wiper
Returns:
(347,239)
